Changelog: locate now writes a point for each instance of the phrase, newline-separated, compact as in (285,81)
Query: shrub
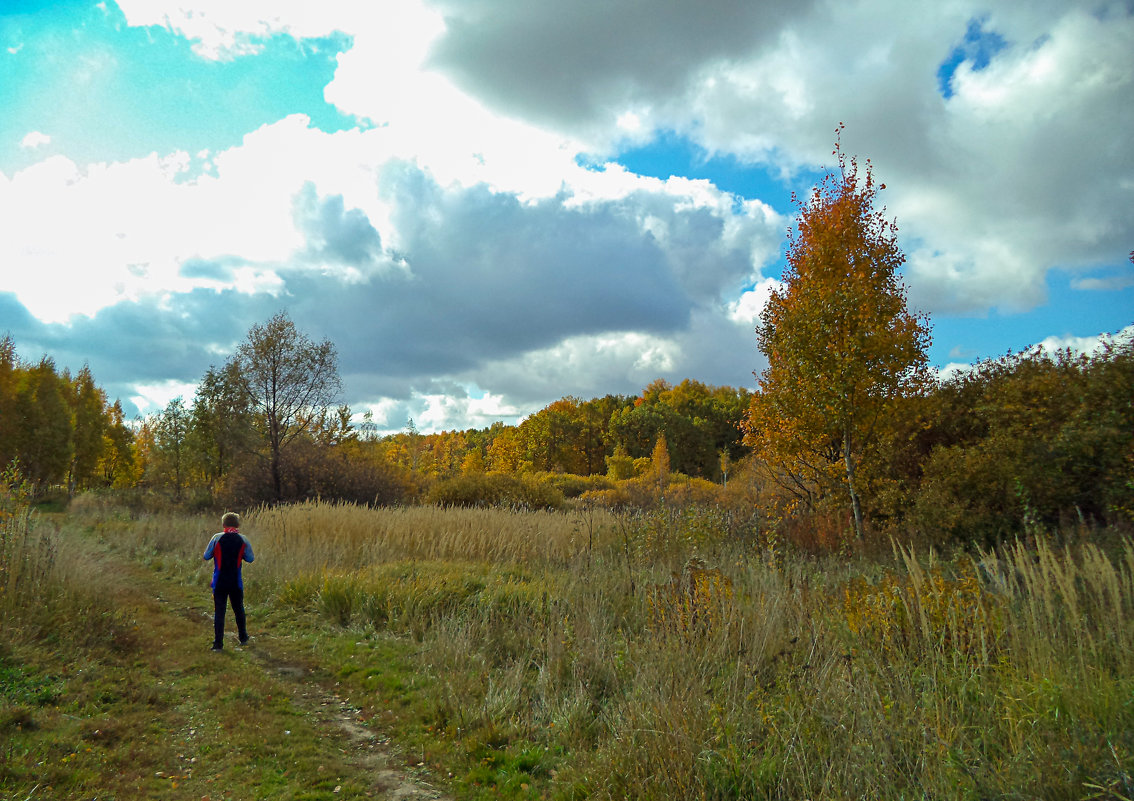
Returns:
(572,486)
(495,489)
(683,490)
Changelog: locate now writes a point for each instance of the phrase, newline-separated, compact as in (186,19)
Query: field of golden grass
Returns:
(660,655)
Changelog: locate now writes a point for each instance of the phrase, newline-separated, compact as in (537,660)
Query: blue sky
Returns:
(111,92)
(489,206)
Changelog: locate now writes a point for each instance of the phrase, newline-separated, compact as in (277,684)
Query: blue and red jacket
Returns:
(228,550)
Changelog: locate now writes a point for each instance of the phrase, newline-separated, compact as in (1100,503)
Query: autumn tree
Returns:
(698,421)
(1035,438)
(473,464)
(551,437)
(287,381)
(505,453)
(619,465)
(221,427)
(660,463)
(43,438)
(171,432)
(840,342)
(116,465)
(89,426)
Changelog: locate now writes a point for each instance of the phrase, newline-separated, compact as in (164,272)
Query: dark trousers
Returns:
(221,597)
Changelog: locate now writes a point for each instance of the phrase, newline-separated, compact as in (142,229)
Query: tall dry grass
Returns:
(746,674)
(52,586)
(660,661)
(328,536)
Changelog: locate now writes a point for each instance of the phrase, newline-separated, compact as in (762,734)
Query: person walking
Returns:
(228,550)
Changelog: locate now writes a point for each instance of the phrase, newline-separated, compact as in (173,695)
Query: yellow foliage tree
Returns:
(841,345)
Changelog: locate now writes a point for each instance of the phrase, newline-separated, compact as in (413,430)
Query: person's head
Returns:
(230,520)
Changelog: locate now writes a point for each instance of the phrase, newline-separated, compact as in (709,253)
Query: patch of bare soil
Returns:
(370,752)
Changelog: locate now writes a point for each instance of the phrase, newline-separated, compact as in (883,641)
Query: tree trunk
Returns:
(848,460)
(277,480)
(274,445)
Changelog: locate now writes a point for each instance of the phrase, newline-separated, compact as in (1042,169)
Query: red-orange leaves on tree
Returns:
(840,342)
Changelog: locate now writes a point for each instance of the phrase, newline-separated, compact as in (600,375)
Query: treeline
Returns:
(262,428)
(60,430)
(213,449)
(700,423)
(1030,442)
(1035,439)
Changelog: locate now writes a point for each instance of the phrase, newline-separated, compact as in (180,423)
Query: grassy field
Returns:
(489,653)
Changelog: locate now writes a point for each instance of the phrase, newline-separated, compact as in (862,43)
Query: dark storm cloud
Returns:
(138,343)
(490,277)
(486,283)
(573,62)
(144,342)
(335,234)
(15,319)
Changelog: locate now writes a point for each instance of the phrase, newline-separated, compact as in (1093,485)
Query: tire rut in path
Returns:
(371,754)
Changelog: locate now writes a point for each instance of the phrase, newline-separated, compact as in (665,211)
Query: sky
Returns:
(490,205)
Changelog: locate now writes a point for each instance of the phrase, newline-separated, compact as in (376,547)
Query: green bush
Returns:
(495,489)
(572,486)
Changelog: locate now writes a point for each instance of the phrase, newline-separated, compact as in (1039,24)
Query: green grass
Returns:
(157,714)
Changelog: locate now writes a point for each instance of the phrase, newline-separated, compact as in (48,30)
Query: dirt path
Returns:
(370,753)
(139,707)
(174,625)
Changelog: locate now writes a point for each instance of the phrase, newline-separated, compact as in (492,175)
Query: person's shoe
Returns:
(218,647)
(245,640)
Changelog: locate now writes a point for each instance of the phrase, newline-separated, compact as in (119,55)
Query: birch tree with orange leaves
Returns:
(841,345)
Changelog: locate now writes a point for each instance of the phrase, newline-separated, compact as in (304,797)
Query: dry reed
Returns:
(322,536)
(1005,674)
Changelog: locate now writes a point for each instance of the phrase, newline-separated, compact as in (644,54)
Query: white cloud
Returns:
(1085,345)
(607,283)
(153,398)
(585,366)
(475,245)
(35,139)
(222,30)
(132,226)
(954,370)
(1023,169)
(1109,283)
(746,309)
(129,227)
(448,412)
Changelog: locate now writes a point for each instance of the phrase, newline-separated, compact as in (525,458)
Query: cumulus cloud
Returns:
(221,30)
(583,66)
(339,241)
(1024,168)
(489,277)
(1104,284)
(1019,166)
(466,262)
(413,279)
(746,309)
